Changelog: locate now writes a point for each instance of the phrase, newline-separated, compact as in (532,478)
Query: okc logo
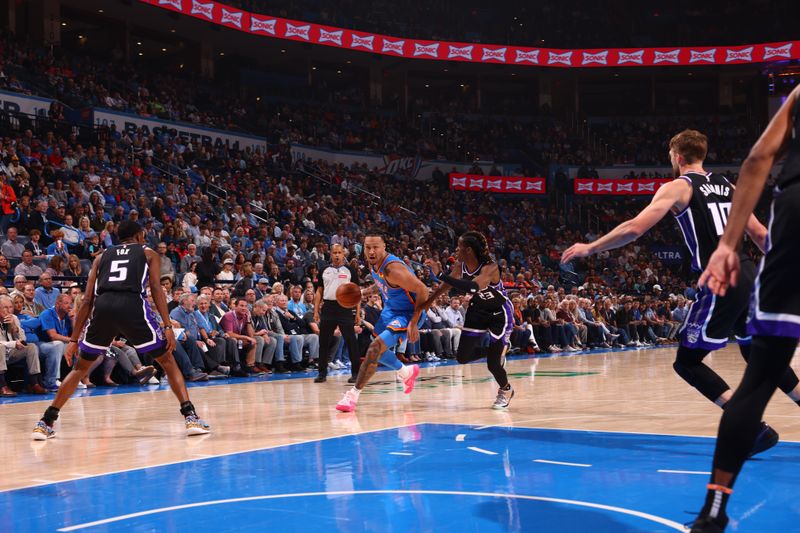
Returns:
(393,46)
(267,26)
(707,56)
(496,55)
(531,56)
(739,55)
(464,52)
(771,52)
(631,57)
(232,17)
(601,58)
(666,57)
(174,3)
(330,36)
(431,50)
(564,58)
(362,42)
(297,31)
(207,10)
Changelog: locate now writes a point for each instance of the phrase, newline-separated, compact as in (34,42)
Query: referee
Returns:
(333,315)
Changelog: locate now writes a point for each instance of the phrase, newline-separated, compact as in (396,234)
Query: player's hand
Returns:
(413,333)
(722,270)
(70,352)
(575,251)
(434,266)
(169,335)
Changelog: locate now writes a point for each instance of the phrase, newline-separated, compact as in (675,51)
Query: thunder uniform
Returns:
(490,311)
(398,306)
(711,318)
(775,307)
(120,304)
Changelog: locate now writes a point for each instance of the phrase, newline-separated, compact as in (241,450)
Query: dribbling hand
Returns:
(722,270)
(575,251)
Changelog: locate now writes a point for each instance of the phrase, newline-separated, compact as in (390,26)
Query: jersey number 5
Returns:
(119,270)
(720,212)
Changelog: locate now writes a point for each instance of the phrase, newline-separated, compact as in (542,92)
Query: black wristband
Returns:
(466,285)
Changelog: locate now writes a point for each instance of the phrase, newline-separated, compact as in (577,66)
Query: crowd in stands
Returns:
(239,266)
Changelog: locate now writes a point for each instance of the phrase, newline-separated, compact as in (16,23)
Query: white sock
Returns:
(355,392)
(404,372)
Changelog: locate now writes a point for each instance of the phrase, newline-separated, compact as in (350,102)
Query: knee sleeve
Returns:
(689,366)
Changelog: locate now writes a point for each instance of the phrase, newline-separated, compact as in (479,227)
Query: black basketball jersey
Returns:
(791,166)
(492,297)
(123,268)
(703,221)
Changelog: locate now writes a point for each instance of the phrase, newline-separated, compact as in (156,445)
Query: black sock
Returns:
(716,502)
(187,409)
(50,415)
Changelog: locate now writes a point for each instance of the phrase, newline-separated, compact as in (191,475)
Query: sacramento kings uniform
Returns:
(490,311)
(775,309)
(712,318)
(120,305)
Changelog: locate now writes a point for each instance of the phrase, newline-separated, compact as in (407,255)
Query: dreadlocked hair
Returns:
(477,241)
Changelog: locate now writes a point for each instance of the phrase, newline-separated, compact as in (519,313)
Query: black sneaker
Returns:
(767,438)
(352,379)
(252,371)
(706,524)
(279,368)
(320,379)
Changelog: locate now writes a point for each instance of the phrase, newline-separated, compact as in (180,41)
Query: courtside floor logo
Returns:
(434,382)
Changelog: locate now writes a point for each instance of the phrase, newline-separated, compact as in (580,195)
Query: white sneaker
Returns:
(154,381)
(81,385)
(503,398)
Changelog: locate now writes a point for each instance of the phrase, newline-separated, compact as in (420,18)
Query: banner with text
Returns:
(12,103)
(618,187)
(129,123)
(669,255)
(265,25)
(497,184)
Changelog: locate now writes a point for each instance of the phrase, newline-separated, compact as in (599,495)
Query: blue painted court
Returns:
(428,477)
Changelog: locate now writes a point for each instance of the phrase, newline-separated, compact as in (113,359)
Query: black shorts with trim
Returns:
(122,314)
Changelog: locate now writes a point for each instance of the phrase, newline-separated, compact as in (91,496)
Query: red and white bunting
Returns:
(497,184)
(279,28)
(619,187)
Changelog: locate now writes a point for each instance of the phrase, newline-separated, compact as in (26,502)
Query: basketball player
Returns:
(403,296)
(116,299)
(700,202)
(490,311)
(775,306)
(330,315)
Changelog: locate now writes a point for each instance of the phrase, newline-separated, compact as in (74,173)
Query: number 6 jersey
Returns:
(703,221)
(123,268)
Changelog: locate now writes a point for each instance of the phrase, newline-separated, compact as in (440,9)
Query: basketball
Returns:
(348,295)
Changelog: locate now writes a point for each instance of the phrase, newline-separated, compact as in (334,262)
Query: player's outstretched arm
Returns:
(443,287)
(675,194)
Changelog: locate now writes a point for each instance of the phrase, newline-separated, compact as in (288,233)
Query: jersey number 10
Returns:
(720,212)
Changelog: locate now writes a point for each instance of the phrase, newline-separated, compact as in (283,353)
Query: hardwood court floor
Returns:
(629,391)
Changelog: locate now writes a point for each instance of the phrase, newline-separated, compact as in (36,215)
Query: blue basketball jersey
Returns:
(395,299)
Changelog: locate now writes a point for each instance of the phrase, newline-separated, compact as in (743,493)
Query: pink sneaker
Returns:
(410,380)
(348,403)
